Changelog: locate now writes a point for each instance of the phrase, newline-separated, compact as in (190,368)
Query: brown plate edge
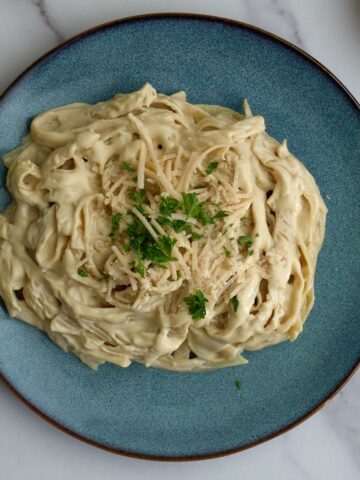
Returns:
(353,369)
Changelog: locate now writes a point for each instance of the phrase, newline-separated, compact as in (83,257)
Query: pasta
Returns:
(149,229)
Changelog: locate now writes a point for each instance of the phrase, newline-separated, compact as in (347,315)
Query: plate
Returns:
(158,414)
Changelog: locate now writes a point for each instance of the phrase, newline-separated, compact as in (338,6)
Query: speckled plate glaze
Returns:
(157,414)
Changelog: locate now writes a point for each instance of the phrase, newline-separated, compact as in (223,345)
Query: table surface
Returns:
(327,446)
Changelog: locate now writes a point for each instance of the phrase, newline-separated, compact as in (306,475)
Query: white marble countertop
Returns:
(327,446)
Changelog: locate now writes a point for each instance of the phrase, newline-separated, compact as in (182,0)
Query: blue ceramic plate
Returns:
(154,413)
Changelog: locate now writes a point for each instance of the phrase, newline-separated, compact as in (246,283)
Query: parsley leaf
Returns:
(234,303)
(138,196)
(244,218)
(182,226)
(227,252)
(204,218)
(211,167)
(106,276)
(115,222)
(196,305)
(140,268)
(199,185)
(169,205)
(82,273)
(238,384)
(247,242)
(126,166)
(160,252)
(221,214)
(164,221)
(191,204)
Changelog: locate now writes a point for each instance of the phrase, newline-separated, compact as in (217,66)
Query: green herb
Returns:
(82,273)
(134,179)
(115,222)
(191,204)
(138,196)
(244,218)
(169,205)
(221,214)
(160,252)
(247,242)
(200,185)
(164,220)
(106,276)
(257,235)
(140,268)
(204,218)
(238,384)
(126,166)
(196,305)
(182,226)
(211,167)
(234,303)
(227,252)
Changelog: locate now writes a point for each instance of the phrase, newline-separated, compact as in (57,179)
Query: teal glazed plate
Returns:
(150,413)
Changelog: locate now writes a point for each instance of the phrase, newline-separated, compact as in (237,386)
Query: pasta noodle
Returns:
(148,229)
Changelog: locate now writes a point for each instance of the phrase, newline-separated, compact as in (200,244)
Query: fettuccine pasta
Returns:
(148,229)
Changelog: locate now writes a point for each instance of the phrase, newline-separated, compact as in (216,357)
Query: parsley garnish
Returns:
(106,276)
(126,166)
(160,252)
(134,179)
(211,167)
(169,205)
(227,252)
(82,273)
(191,204)
(200,185)
(196,305)
(164,220)
(138,196)
(247,242)
(182,226)
(140,268)
(115,222)
(238,384)
(244,218)
(221,214)
(234,303)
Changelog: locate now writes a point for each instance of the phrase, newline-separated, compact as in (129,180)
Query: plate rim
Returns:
(210,18)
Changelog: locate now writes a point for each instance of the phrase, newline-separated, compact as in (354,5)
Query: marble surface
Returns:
(327,446)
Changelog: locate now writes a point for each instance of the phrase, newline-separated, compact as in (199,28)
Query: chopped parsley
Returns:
(140,268)
(247,242)
(191,204)
(169,205)
(194,208)
(138,196)
(234,303)
(160,252)
(227,252)
(106,276)
(196,305)
(238,383)
(211,167)
(221,214)
(162,220)
(244,218)
(199,185)
(134,178)
(126,166)
(115,222)
(82,273)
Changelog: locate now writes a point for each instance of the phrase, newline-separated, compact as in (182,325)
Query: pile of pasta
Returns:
(147,228)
